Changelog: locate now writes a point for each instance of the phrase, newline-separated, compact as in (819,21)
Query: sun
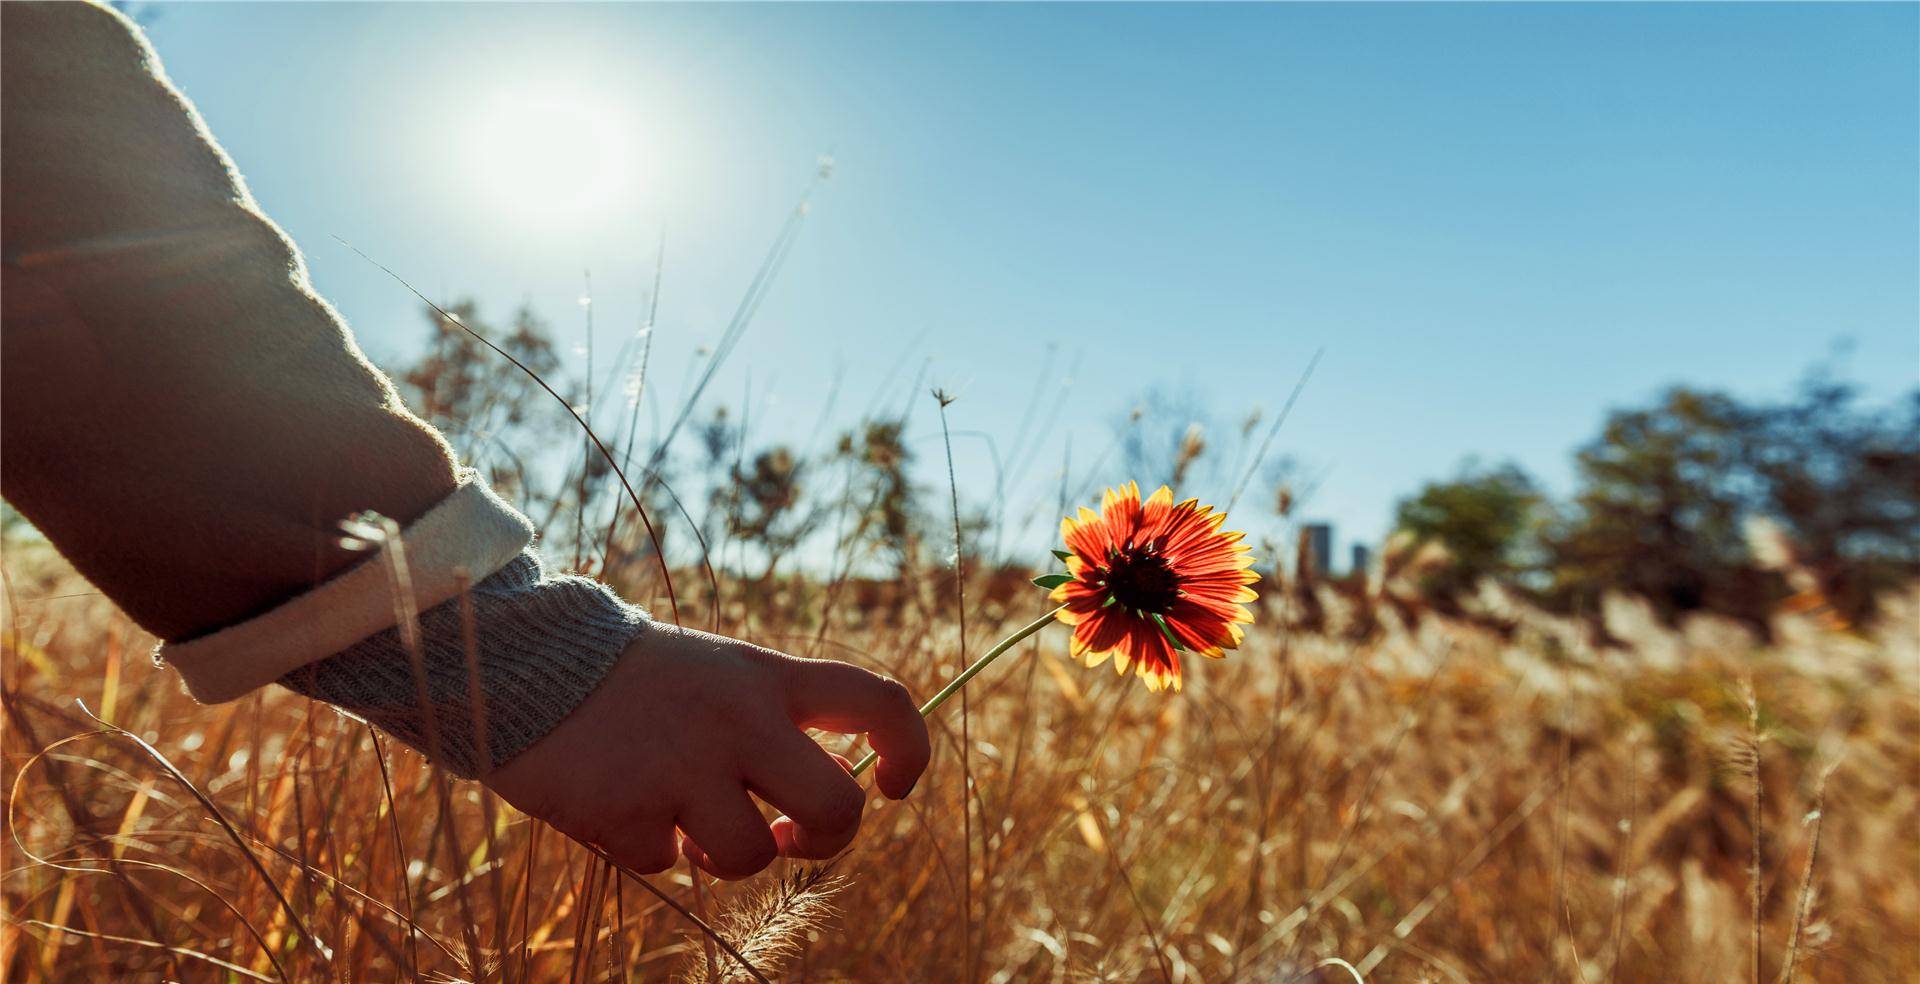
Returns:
(549,155)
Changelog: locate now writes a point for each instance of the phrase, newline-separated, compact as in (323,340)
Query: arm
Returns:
(176,395)
(189,423)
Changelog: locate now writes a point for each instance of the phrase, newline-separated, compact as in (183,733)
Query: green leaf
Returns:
(1063,555)
(1051,581)
(1171,641)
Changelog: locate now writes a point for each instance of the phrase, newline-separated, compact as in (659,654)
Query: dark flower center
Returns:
(1140,578)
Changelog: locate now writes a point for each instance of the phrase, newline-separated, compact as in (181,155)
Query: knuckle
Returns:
(640,842)
(654,860)
(895,692)
(745,859)
(760,657)
(842,806)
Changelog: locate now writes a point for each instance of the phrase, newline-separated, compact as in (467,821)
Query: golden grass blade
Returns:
(182,951)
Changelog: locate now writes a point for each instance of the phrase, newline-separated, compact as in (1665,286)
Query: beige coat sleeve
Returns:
(179,412)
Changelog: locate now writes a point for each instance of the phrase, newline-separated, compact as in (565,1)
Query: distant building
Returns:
(1362,560)
(1319,540)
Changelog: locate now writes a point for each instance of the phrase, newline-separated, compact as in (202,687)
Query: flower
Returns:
(1147,580)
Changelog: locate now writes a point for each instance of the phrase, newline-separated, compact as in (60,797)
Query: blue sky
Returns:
(1499,221)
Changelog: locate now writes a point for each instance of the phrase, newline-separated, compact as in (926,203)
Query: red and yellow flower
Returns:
(1147,580)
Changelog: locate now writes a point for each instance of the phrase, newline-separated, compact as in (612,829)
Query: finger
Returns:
(822,802)
(693,854)
(731,838)
(845,698)
(783,827)
(646,846)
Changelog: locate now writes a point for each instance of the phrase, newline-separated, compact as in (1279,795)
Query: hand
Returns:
(686,725)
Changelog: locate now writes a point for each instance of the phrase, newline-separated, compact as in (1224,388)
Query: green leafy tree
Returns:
(494,413)
(1659,510)
(1844,482)
(771,512)
(1486,519)
(1666,492)
(880,493)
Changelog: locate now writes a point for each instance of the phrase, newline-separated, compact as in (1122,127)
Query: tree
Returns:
(769,512)
(1844,483)
(880,493)
(494,414)
(1659,509)
(1666,492)
(719,443)
(1485,518)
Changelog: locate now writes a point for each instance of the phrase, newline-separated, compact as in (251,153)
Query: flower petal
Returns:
(1134,546)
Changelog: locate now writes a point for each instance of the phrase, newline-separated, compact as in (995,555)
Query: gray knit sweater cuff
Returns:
(542,643)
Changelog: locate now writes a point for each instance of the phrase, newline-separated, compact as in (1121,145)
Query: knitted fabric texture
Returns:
(543,643)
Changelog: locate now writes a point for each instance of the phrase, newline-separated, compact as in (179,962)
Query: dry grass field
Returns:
(1606,728)
(1372,793)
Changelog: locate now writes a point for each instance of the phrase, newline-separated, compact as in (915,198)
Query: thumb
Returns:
(842,697)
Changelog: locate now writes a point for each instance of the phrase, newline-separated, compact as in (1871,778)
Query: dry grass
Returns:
(1437,802)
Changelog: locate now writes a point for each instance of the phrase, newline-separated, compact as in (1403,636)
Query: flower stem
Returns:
(969,673)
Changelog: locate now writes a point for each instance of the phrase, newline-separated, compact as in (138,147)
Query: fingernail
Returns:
(909,790)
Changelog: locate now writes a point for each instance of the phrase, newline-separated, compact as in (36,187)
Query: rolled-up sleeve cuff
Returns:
(462,540)
(497,675)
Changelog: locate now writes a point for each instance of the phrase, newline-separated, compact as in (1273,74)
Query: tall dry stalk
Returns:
(945,399)
(1751,761)
(1803,904)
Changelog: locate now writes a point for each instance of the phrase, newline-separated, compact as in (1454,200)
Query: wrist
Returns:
(500,666)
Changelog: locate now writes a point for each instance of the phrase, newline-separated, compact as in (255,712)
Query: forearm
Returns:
(183,416)
(189,424)
(499,666)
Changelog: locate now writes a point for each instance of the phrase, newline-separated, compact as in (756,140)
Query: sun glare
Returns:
(549,156)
